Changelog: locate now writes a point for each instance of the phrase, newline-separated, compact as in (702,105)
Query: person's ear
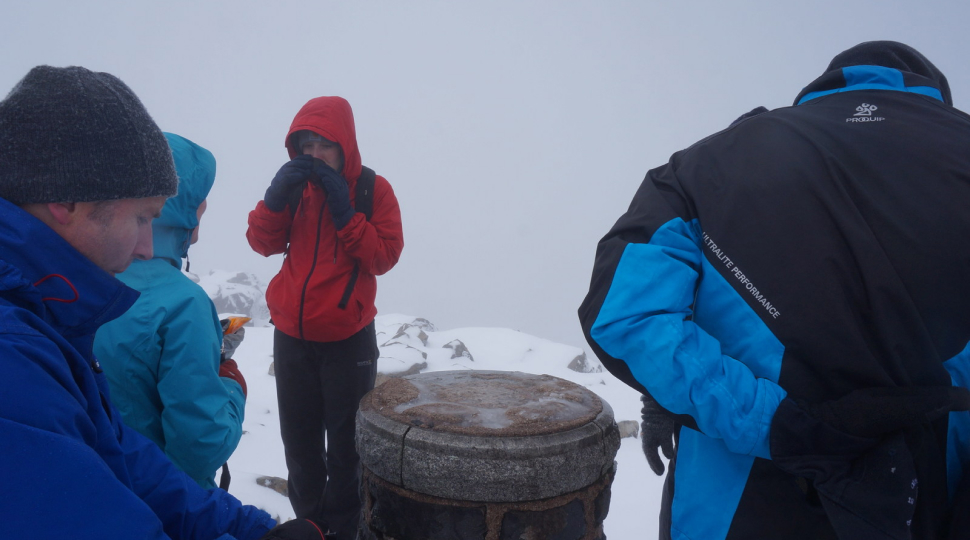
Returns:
(62,212)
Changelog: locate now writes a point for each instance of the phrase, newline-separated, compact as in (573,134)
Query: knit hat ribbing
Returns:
(73,135)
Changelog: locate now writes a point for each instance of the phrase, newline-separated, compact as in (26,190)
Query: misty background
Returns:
(514,133)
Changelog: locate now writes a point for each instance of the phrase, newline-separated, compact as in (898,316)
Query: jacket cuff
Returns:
(774,396)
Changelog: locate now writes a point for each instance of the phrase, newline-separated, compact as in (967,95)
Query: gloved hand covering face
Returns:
(338,193)
(290,177)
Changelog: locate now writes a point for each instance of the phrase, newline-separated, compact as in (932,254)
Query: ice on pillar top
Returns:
(487,403)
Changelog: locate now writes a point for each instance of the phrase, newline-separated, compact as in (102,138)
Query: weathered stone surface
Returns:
(413,370)
(628,428)
(393,516)
(566,522)
(464,446)
(486,403)
(391,512)
(380,443)
(502,468)
(602,505)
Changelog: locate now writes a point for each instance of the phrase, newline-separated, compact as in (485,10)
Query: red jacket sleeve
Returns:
(376,244)
(269,232)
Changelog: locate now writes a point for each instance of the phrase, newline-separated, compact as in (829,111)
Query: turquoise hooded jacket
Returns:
(162,356)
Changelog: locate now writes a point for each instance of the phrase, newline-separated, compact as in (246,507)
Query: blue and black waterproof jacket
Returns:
(72,467)
(807,251)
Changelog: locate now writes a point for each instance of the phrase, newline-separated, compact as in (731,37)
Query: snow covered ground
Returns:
(636,490)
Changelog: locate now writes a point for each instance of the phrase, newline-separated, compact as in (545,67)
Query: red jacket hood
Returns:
(330,117)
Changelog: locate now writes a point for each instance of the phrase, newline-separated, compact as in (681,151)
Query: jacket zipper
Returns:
(313,266)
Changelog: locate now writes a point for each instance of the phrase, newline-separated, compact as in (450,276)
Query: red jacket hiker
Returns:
(303,298)
(322,302)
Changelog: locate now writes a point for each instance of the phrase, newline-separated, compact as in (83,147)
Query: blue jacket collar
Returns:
(43,273)
(852,78)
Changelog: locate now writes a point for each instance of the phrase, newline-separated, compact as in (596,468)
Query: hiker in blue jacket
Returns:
(83,171)
(162,357)
(789,295)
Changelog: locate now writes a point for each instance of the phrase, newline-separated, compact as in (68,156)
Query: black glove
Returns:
(656,432)
(230,342)
(338,193)
(290,177)
(854,452)
(874,412)
(299,529)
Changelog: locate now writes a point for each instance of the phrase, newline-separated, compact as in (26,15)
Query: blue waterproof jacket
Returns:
(70,466)
(162,356)
(806,252)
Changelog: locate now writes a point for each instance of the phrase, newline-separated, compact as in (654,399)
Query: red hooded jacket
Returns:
(303,298)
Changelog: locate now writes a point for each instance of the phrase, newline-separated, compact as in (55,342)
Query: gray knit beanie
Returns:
(73,135)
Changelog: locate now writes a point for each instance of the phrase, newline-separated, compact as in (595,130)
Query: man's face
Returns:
(326,151)
(113,233)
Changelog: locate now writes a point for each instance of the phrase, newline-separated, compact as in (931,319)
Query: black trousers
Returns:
(319,387)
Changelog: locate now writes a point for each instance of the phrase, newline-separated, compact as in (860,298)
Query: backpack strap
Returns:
(364,203)
(364,199)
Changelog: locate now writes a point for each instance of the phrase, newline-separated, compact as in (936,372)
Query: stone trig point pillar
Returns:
(485,455)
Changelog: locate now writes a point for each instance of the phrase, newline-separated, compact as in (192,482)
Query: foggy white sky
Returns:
(513,133)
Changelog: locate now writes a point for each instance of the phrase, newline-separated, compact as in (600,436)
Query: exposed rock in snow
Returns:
(628,428)
(237,293)
(409,333)
(581,364)
(459,350)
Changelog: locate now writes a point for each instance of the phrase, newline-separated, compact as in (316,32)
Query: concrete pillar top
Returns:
(486,403)
(493,436)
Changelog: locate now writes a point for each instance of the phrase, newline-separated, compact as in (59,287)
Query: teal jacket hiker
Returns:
(162,356)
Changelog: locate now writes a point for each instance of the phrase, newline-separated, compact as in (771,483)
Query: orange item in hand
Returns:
(235,323)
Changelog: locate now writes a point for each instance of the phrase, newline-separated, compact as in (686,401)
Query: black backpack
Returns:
(363,202)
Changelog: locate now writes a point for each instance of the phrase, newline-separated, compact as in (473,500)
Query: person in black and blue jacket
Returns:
(791,294)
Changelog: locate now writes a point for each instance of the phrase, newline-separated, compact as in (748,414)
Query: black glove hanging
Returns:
(657,428)
(291,176)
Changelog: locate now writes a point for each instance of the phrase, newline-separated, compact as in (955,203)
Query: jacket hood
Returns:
(879,64)
(330,117)
(196,168)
